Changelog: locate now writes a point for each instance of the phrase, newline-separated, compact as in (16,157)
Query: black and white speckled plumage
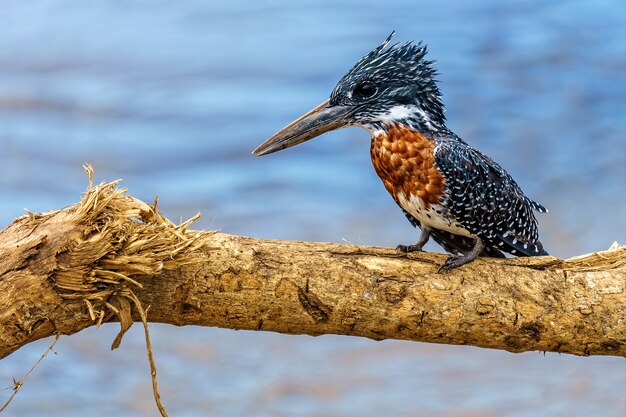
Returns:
(485,199)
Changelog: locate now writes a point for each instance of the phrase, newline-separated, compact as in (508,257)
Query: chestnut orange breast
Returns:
(404,161)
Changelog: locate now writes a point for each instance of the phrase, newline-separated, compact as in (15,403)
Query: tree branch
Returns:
(63,271)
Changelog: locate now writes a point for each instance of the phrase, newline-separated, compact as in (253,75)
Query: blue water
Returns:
(173,96)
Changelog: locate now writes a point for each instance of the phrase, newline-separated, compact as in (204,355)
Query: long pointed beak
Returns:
(321,119)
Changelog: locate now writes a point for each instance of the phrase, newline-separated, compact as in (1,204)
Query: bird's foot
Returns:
(409,248)
(454,261)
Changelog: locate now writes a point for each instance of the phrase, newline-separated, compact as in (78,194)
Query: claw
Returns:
(409,248)
(451,263)
(456,261)
(420,243)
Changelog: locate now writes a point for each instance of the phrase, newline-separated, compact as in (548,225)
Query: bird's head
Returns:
(394,85)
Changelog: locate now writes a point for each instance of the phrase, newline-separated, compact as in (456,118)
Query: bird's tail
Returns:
(536,206)
(518,247)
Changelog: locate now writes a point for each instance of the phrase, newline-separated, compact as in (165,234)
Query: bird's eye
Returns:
(366,89)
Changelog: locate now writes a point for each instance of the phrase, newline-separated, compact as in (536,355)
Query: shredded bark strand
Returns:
(18,384)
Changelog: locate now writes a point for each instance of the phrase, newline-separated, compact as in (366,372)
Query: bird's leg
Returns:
(424,236)
(456,261)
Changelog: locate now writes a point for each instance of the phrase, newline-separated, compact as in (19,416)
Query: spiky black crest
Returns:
(401,77)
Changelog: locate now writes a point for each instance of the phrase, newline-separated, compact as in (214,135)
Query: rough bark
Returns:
(63,271)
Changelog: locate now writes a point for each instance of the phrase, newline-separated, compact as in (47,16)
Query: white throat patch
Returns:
(396,114)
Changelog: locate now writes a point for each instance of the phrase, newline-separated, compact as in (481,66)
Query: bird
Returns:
(458,196)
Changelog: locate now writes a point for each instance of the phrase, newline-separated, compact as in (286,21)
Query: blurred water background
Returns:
(173,96)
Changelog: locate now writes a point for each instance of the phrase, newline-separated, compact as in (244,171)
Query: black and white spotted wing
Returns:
(485,200)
